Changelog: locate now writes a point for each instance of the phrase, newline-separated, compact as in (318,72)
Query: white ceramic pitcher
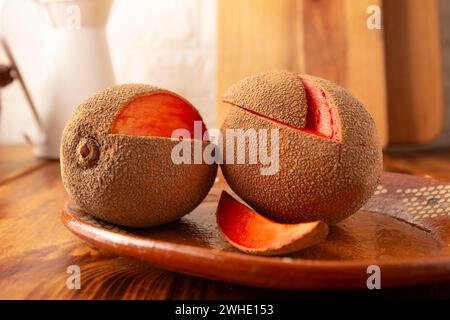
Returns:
(77,65)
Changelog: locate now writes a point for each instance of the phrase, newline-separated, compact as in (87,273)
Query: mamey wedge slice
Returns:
(253,233)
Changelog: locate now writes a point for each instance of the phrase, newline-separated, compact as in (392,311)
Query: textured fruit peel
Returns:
(322,118)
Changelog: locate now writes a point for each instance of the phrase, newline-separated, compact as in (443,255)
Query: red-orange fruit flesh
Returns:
(321,117)
(253,233)
(156,115)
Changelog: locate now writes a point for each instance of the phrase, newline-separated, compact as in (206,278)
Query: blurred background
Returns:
(393,55)
(171,44)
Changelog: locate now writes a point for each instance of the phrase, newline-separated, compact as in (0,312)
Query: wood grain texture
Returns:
(328,38)
(340,47)
(413,70)
(36,249)
(15,161)
(366,77)
(432,163)
(444,18)
(254,36)
(399,229)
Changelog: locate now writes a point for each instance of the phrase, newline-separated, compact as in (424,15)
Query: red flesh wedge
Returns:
(322,117)
(156,115)
(253,233)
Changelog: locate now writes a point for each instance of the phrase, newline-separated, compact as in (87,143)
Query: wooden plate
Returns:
(403,229)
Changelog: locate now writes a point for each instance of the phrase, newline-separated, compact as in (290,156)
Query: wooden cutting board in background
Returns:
(328,38)
(413,69)
(254,36)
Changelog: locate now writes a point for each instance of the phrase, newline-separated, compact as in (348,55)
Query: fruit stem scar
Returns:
(84,151)
(87,152)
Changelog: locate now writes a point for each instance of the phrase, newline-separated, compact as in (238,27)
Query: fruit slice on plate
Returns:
(253,233)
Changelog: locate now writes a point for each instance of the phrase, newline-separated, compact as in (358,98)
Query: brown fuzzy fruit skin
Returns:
(127,180)
(318,179)
(265,93)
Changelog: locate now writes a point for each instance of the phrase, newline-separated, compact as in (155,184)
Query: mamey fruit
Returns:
(330,159)
(253,233)
(116,157)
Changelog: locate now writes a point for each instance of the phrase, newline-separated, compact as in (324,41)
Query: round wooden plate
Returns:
(404,229)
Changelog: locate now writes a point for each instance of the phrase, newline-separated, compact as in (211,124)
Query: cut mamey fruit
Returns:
(253,233)
(329,159)
(116,161)
(156,115)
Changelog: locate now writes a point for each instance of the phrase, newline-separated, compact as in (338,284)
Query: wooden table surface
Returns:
(36,249)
